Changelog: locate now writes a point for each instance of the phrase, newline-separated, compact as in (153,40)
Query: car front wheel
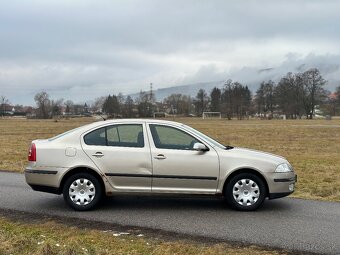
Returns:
(245,192)
(82,191)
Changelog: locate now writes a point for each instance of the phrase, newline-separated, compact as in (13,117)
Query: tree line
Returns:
(49,108)
(295,95)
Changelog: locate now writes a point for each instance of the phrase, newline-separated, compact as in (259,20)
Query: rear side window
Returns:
(129,135)
(96,137)
(125,135)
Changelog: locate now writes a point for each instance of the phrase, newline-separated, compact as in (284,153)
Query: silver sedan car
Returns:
(139,156)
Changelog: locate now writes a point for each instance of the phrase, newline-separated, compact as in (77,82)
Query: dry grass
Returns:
(17,134)
(51,238)
(312,146)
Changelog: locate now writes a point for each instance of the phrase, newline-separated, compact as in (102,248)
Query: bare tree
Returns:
(236,100)
(313,92)
(174,101)
(185,105)
(128,107)
(121,99)
(242,100)
(97,106)
(201,102)
(289,95)
(329,104)
(337,99)
(56,107)
(265,97)
(144,104)
(178,103)
(43,102)
(3,102)
(227,99)
(69,107)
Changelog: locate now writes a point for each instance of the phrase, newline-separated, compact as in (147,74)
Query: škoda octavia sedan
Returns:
(141,156)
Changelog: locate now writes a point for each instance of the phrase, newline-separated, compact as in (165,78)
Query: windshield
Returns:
(214,142)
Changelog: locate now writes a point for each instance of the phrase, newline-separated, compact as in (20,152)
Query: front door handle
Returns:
(98,154)
(160,156)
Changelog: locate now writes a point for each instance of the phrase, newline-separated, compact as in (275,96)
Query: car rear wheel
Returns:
(245,192)
(82,191)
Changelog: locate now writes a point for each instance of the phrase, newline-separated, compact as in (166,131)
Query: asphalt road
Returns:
(294,224)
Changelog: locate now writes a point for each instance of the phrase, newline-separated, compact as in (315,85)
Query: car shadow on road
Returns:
(166,203)
(183,203)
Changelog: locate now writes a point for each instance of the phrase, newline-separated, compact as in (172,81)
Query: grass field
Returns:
(50,238)
(312,146)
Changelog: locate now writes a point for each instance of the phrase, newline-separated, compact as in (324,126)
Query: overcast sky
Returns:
(84,49)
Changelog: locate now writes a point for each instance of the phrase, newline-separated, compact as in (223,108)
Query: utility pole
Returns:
(151,92)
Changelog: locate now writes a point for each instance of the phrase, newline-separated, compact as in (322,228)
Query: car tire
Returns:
(82,191)
(245,192)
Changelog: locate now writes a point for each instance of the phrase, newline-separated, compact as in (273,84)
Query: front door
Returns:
(177,167)
(123,154)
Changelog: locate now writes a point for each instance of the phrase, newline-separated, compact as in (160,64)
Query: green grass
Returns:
(50,238)
(312,146)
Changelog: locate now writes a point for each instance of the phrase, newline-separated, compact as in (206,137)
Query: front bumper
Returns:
(279,195)
(281,184)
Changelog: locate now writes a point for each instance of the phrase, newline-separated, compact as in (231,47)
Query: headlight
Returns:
(283,168)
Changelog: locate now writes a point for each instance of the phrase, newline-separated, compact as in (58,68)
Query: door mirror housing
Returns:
(200,147)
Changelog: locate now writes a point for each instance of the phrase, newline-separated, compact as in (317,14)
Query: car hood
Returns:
(255,155)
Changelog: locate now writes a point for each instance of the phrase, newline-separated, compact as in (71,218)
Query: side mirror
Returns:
(200,147)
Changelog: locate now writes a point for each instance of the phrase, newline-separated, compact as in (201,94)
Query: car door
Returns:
(122,152)
(177,167)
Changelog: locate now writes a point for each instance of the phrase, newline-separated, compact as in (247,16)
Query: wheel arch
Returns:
(82,169)
(245,170)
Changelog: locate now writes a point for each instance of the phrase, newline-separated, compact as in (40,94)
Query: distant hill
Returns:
(189,89)
(252,77)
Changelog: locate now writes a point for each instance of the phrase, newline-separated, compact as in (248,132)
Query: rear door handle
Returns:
(160,156)
(98,154)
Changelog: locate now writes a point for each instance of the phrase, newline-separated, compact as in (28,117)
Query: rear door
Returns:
(122,152)
(177,167)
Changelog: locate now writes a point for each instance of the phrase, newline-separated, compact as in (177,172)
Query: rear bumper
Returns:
(47,189)
(49,177)
(31,171)
(42,180)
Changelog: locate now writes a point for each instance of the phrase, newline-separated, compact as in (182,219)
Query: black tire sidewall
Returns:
(96,184)
(229,192)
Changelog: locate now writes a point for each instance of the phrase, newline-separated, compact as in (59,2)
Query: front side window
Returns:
(129,135)
(166,137)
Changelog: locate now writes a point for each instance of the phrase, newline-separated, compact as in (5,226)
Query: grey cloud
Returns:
(329,66)
(93,48)
(159,25)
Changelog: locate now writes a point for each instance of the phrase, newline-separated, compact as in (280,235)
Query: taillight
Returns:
(32,153)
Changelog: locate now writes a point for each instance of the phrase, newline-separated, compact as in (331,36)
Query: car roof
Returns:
(113,121)
(137,120)
(80,130)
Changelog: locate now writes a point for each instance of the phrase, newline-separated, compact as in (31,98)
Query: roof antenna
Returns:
(102,117)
